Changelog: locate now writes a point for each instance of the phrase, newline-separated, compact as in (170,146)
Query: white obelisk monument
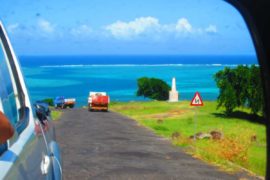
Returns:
(173,95)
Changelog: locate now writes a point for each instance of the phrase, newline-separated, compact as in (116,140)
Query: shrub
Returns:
(255,95)
(49,101)
(240,87)
(153,88)
(234,149)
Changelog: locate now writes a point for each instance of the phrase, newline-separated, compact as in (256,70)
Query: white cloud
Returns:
(151,27)
(82,31)
(130,29)
(45,26)
(12,27)
(211,29)
(42,28)
(183,25)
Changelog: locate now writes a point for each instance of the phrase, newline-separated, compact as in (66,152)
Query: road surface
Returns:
(106,145)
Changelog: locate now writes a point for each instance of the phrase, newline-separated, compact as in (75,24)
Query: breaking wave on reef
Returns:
(130,65)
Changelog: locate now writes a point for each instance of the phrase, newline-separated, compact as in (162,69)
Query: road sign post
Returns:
(196,101)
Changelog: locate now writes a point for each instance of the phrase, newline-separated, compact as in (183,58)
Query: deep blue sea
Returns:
(75,76)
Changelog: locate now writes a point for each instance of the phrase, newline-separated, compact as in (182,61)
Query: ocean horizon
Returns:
(75,76)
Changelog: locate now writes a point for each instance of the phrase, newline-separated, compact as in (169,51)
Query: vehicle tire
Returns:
(89,107)
(71,106)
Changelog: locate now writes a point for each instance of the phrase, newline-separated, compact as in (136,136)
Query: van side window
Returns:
(7,93)
(11,92)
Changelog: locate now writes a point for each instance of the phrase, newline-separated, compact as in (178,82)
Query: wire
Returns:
(43,135)
(48,150)
(60,168)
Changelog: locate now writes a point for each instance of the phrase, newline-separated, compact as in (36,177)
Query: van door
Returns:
(22,155)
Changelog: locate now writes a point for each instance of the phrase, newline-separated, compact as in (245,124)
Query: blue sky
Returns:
(85,27)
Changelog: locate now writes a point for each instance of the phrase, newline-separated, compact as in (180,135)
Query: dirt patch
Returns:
(133,107)
(170,114)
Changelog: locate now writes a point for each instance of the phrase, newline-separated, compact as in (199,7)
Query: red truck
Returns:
(98,101)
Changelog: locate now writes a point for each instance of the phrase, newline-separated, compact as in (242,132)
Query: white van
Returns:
(28,149)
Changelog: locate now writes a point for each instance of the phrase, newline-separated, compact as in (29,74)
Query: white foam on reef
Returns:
(107,65)
(132,65)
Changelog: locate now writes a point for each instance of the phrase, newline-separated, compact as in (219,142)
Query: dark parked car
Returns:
(44,106)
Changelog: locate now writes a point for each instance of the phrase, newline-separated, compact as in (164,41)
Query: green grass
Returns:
(56,114)
(166,118)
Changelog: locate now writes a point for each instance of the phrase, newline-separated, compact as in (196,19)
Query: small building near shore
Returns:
(173,94)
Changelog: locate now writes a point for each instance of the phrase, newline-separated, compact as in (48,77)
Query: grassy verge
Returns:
(243,142)
(56,114)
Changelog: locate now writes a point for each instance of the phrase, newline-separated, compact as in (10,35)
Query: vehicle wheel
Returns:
(71,106)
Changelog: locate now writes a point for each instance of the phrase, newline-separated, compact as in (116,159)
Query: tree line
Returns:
(240,87)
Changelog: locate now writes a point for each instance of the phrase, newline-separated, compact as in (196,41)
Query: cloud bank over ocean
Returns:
(147,27)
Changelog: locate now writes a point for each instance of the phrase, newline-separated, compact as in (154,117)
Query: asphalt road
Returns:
(106,145)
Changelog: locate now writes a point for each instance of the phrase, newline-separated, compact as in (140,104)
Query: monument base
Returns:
(173,96)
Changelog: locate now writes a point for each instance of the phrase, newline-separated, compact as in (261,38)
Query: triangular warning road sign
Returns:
(197,100)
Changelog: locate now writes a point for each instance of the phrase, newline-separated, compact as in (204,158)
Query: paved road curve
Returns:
(100,145)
